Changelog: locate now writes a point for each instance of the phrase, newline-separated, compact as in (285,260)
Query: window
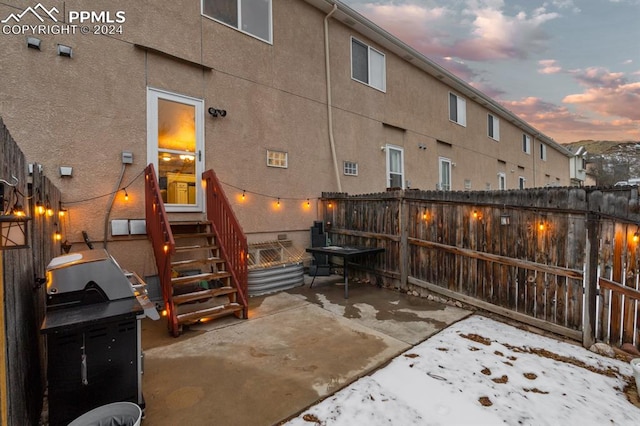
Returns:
(543,152)
(494,127)
(457,109)
(395,167)
(526,144)
(444,183)
(249,16)
(368,65)
(277,159)
(175,146)
(502,181)
(350,168)
(521,182)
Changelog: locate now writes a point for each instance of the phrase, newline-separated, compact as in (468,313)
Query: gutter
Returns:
(332,141)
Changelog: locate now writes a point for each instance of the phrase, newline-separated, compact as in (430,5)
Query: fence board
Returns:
(531,271)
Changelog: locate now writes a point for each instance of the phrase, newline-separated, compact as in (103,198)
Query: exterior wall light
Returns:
(217,112)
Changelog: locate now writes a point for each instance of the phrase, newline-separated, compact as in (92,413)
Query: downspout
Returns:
(332,141)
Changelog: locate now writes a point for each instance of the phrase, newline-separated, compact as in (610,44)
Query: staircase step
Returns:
(194,235)
(204,294)
(210,313)
(194,262)
(189,222)
(185,249)
(191,279)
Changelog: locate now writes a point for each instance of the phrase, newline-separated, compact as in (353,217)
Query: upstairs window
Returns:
(526,144)
(493,127)
(457,109)
(249,16)
(543,152)
(368,65)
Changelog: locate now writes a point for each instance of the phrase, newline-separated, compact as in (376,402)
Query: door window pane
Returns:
(176,151)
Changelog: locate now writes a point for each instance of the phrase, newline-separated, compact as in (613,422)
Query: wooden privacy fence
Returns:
(562,259)
(22,294)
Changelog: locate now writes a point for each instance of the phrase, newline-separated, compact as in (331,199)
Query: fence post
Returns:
(590,281)
(404,240)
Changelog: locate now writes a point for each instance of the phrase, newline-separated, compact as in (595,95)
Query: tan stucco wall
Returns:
(84,111)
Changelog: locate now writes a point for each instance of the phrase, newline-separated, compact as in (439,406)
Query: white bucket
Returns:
(114,414)
(635,364)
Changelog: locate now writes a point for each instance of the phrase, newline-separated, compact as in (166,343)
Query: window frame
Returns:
(502,181)
(382,89)
(239,26)
(543,152)
(442,161)
(522,182)
(352,166)
(274,165)
(493,127)
(388,149)
(526,144)
(153,95)
(461,106)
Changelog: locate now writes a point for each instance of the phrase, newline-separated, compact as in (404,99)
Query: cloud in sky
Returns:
(470,37)
(567,126)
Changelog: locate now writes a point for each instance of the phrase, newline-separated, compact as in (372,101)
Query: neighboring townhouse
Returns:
(282,99)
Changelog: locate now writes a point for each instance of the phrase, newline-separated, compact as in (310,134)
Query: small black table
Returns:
(347,253)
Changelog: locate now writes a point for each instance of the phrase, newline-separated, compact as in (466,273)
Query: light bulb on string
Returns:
(126,194)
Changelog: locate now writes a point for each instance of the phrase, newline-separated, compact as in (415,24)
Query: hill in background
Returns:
(609,162)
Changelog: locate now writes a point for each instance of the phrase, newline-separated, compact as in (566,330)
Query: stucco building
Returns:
(283,99)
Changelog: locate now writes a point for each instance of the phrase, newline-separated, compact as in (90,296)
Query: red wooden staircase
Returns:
(201,264)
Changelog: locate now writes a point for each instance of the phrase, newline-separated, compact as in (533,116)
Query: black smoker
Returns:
(92,326)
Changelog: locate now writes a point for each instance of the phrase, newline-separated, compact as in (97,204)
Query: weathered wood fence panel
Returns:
(23,302)
(522,254)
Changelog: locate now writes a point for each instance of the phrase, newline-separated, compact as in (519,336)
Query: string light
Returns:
(126,194)
(541,226)
(49,210)
(244,194)
(39,208)
(278,202)
(308,203)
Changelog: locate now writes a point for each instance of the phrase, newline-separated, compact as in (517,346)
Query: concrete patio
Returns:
(296,348)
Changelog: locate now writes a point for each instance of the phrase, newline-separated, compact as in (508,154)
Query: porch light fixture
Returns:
(33,43)
(66,51)
(14,230)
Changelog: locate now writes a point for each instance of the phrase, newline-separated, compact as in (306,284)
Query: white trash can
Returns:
(114,414)
(635,364)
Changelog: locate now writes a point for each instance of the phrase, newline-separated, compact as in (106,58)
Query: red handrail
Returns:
(231,238)
(159,231)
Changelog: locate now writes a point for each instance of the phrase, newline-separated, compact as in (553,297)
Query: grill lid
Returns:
(75,275)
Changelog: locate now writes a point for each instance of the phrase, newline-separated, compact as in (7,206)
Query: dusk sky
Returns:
(571,68)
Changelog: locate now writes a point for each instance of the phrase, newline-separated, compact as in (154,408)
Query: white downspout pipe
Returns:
(332,141)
